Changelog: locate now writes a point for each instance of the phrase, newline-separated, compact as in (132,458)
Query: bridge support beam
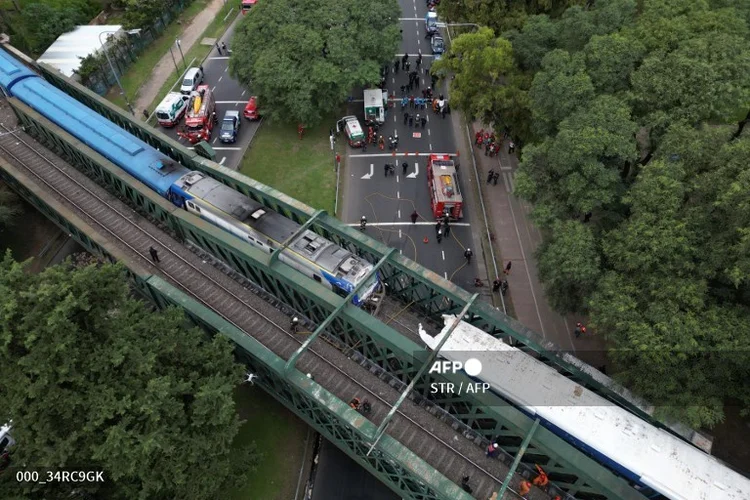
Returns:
(517,459)
(302,229)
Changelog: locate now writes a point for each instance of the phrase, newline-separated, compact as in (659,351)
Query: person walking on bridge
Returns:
(154,254)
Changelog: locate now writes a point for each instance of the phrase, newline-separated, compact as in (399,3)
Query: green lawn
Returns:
(302,169)
(280,436)
(140,71)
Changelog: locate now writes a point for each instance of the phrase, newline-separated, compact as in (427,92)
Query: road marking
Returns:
(214,141)
(445,274)
(423,55)
(213,88)
(230,102)
(223,159)
(428,132)
(397,183)
(453,224)
(378,155)
(227,149)
(414,174)
(399,213)
(443,252)
(398,194)
(219,80)
(399,234)
(225,69)
(220,57)
(372,171)
(243,93)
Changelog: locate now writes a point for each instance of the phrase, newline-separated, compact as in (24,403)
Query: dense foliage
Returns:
(631,115)
(92,379)
(305,57)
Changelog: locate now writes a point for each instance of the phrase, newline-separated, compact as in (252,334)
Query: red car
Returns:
(251,109)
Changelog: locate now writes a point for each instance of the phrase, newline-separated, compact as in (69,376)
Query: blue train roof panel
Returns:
(11,71)
(120,147)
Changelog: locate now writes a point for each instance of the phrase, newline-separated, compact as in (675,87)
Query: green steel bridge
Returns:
(417,443)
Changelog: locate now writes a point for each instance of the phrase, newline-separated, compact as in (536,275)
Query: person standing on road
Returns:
(496,285)
(495,177)
(447,229)
(154,254)
(404,166)
(363,223)
(489,175)
(406,117)
(439,236)
(424,122)
(218,48)
(417,120)
(224,48)
(511,147)
(506,271)
(438,227)
(419,59)
(468,254)
(411,121)
(395,67)
(403,61)
(386,168)
(414,217)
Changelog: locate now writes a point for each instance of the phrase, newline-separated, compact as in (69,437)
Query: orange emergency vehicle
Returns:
(246,5)
(200,116)
(445,195)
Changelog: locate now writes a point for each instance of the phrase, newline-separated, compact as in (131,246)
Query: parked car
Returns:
(230,126)
(438,46)
(251,109)
(193,77)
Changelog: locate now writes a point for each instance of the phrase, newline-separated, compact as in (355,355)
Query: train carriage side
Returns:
(123,149)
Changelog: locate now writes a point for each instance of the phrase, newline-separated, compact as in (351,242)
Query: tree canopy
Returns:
(304,58)
(90,376)
(630,116)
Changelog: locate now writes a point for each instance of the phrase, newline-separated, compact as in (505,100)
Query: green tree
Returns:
(538,36)
(610,60)
(143,13)
(569,265)
(559,89)
(92,377)
(479,62)
(305,57)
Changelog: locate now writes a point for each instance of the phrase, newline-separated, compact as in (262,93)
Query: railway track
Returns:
(413,425)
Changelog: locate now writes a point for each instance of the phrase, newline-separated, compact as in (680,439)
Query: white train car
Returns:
(658,463)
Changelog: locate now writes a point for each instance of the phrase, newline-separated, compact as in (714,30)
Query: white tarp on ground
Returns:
(70,48)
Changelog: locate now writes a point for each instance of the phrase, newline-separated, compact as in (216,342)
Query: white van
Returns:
(171,110)
(193,77)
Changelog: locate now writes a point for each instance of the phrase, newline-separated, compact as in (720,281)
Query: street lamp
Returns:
(173,59)
(111,66)
(179,46)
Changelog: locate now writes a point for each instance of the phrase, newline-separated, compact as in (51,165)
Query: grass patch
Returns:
(140,71)
(214,30)
(302,169)
(279,435)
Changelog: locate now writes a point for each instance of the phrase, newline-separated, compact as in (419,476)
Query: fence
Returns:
(95,72)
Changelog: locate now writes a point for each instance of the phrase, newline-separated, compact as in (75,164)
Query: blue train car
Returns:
(126,151)
(12,71)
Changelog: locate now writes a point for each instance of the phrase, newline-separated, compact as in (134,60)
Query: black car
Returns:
(230,126)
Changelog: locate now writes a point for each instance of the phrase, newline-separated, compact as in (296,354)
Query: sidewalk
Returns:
(164,68)
(516,239)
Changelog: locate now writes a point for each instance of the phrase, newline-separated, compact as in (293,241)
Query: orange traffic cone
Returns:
(426,240)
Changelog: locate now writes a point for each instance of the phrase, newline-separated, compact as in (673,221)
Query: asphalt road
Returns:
(229,94)
(388,202)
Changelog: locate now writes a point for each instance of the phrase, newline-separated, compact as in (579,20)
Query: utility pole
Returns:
(179,46)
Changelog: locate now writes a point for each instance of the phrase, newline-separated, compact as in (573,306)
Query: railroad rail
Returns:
(414,425)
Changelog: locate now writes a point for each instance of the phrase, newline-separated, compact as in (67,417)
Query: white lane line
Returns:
(430,146)
(377,155)
(223,159)
(443,253)
(230,102)
(398,194)
(225,69)
(213,88)
(428,132)
(214,141)
(227,149)
(399,234)
(445,274)
(399,213)
(219,80)
(243,93)
(397,183)
(220,57)
(453,224)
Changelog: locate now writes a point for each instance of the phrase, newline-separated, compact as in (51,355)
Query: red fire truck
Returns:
(442,179)
(200,117)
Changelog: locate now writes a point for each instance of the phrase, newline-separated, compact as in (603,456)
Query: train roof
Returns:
(12,71)
(662,461)
(120,147)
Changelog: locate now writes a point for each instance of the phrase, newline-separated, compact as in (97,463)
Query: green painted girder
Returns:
(405,473)
(360,326)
